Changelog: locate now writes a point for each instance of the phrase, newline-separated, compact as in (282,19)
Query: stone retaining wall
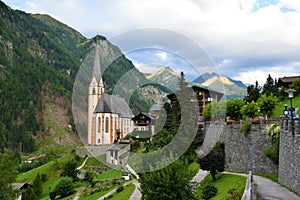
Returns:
(289,156)
(244,152)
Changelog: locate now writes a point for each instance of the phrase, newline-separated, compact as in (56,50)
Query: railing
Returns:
(249,189)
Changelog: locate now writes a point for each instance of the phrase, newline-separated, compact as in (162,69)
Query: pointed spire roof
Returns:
(96,68)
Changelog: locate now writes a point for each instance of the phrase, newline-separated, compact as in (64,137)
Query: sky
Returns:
(243,39)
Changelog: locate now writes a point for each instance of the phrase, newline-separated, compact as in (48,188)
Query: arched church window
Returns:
(106,125)
(94,91)
(99,124)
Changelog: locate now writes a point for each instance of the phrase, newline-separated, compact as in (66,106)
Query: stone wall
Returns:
(92,150)
(289,156)
(244,152)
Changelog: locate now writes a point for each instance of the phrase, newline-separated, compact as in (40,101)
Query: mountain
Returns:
(231,88)
(225,85)
(166,77)
(39,61)
(202,78)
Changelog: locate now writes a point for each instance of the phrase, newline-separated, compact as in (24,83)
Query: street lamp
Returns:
(286,111)
(291,95)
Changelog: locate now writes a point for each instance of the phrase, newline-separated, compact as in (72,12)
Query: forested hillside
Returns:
(39,56)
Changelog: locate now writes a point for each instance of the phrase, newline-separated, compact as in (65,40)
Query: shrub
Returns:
(234,195)
(120,189)
(209,191)
(64,187)
(245,127)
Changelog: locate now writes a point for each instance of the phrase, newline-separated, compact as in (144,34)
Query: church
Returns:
(109,116)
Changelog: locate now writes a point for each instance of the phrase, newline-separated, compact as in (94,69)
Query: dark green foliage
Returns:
(234,195)
(70,170)
(267,104)
(63,188)
(250,110)
(29,166)
(120,189)
(8,174)
(214,161)
(209,191)
(270,87)
(29,194)
(296,86)
(272,152)
(35,191)
(233,109)
(37,186)
(245,127)
(253,93)
(171,182)
(89,177)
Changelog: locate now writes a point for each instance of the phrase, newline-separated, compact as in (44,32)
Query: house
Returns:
(119,153)
(154,111)
(143,126)
(125,176)
(287,81)
(109,116)
(20,187)
(204,96)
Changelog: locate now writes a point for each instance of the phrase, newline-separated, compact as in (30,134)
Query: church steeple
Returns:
(96,89)
(96,73)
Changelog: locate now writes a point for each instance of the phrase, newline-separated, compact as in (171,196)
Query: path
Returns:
(269,190)
(81,166)
(136,195)
(114,190)
(199,176)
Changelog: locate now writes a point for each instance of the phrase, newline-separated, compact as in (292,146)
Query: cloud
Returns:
(162,55)
(237,34)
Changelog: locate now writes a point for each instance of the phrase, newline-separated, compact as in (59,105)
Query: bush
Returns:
(234,195)
(209,191)
(120,189)
(64,187)
(245,127)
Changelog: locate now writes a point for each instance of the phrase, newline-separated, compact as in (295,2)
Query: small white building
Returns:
(119,153)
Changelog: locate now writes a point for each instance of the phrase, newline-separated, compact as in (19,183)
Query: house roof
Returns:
(289,79)
(113,104)
(19,186)
(117,147)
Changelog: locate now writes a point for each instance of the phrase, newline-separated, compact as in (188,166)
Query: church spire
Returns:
(96,68)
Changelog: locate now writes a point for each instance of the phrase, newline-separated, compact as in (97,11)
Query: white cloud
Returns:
(162,55)
(234,36)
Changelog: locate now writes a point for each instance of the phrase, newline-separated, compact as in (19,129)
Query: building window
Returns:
(99,141)
(94,91)
(106,125)
(99,124)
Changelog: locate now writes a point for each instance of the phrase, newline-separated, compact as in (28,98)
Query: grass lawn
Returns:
(51,169)
(272,177)
(224,183)
(96,195)
(125,194)
(109,175)
(280,106)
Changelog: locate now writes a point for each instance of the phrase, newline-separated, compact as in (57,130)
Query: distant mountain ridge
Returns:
(166,77)
(231,88)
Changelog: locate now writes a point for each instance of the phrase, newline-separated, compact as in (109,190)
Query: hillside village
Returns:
(169,139)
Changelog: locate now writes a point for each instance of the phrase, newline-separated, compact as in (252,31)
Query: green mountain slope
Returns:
(39,57)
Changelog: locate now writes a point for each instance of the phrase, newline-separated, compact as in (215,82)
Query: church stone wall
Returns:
(93,150)
(289,156)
